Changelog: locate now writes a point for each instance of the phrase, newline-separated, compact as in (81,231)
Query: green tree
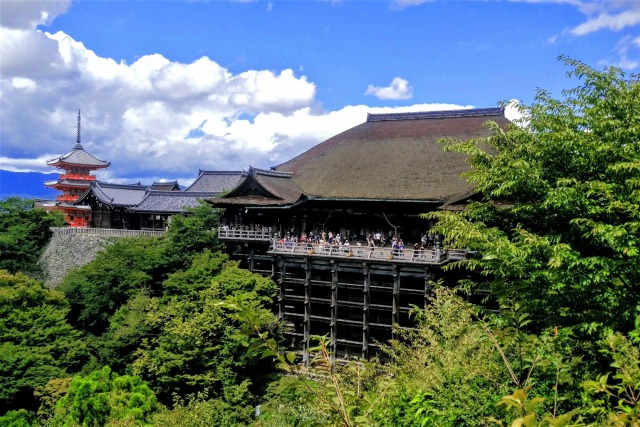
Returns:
(36,342)
(558,227)
(204,266)
(103,398)
(24,232)
(99,288)
(193,233)
(198,411)
(447,371)
(19,418)
(197,348)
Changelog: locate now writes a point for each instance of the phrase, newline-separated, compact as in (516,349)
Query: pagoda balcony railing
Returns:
(67,198)
(379,254)
(79,177)
(244,235)
(68,231)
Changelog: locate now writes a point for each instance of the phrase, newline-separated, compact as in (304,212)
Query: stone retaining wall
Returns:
(66,252)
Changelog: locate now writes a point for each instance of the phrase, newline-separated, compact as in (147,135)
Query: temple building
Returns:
(74,180)
(150,207)
(339,227)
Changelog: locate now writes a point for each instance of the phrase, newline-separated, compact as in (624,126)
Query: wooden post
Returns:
(428,278)
(307,315)
(251,259)
(366,298)
(334,310)
(273,264)
(281,288)
(396,299)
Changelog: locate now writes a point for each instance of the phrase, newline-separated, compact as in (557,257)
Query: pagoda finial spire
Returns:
(78,145)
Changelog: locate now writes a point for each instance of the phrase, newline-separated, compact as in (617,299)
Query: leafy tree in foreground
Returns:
(197,347)
(23,234)
(36,342)
(193,233)
(567,246)
(105,399)
(19,418)
(199,411)
(99,288)
(446,371)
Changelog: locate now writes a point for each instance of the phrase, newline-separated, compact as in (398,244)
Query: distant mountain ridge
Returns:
(28,185)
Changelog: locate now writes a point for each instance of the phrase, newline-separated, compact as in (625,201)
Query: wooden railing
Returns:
(420,256)
(67,198)
(68,231)
(254,235)
(78,177)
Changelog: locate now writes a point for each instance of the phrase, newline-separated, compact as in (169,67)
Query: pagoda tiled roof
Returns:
(78,157)
(215,181)
(393,157)
(169,201)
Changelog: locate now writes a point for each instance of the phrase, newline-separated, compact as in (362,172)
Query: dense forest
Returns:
(167,331)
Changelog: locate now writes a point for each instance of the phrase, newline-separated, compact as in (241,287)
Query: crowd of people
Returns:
(370,238)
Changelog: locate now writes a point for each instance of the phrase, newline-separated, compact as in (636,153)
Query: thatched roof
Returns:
(393,157)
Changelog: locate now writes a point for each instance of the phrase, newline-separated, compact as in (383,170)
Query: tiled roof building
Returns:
(215,181)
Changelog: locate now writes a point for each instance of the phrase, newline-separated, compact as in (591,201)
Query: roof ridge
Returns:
(178,193)
(211,172)
(441,114)
(273,173)
(123,186)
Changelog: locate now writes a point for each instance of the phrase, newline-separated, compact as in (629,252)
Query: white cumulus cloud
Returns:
(611,15)
(155,118)
(27,14)
(402,4)
(398,89)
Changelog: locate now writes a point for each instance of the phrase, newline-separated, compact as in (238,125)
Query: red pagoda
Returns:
(74,180)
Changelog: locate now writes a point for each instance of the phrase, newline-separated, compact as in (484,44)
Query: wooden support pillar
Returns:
(251,259)
(366,299)
(428,278)
(281,288)
(396,299)
(306,344)
(334,310)
(273,266)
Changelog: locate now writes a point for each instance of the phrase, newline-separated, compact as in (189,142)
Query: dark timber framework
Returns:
(356,303)
(350,302)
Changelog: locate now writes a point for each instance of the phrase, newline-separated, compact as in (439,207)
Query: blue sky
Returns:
(170,87)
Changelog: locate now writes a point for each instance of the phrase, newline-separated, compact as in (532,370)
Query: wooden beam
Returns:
(365,310)
(396,298)
(307,313)
(251,255)
(334,310)
(428,278)
(281,288)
